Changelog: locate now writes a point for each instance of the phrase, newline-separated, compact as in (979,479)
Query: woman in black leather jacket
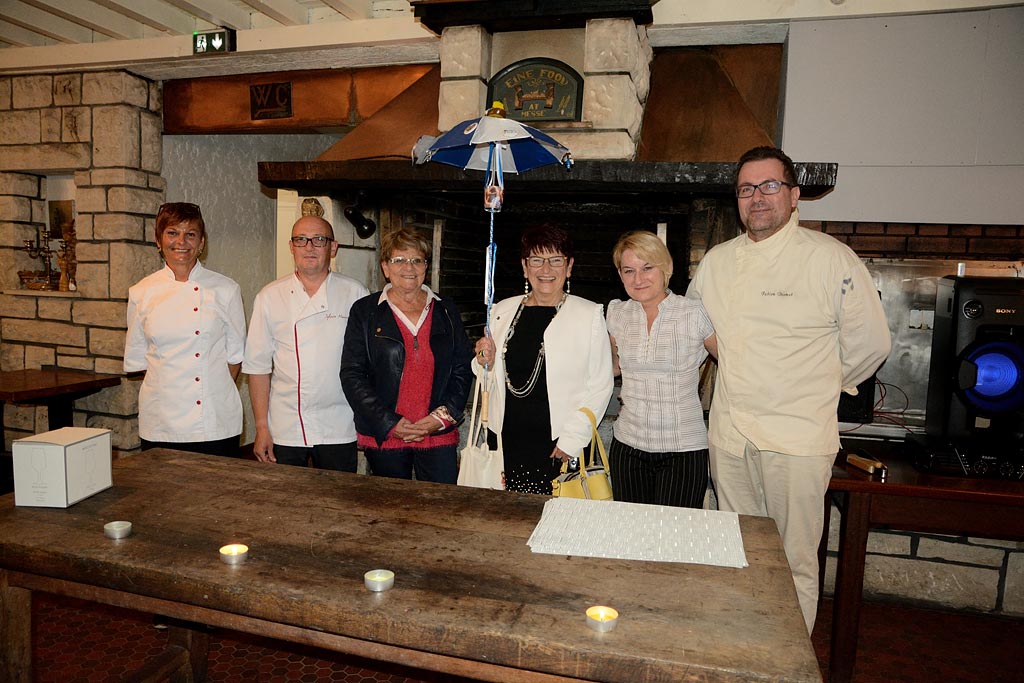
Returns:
(405,369)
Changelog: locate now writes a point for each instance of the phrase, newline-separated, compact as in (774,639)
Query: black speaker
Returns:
(976,379)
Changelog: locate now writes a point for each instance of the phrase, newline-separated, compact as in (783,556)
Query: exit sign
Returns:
(213,42)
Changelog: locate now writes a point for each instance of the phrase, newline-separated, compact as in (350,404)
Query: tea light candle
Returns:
(601,618)
(118,529)
(379,580)
(234,553)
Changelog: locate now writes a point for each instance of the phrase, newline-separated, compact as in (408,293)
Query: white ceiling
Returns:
(153,37)
(27,23)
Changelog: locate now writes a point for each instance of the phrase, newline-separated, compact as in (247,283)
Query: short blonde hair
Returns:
(648,247)
(402,238)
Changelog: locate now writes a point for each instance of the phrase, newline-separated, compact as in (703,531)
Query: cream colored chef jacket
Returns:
(798,319)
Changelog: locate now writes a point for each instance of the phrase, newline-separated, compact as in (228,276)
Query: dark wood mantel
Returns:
(527,15)
(586,177)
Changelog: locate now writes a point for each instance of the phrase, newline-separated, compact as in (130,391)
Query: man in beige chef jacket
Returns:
(797,320)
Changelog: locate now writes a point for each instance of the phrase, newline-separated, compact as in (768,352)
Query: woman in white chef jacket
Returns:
(186,330)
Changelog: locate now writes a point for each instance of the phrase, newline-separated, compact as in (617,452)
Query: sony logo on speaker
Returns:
(1006,311)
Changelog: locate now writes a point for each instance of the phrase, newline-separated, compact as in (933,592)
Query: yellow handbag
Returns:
(592,481)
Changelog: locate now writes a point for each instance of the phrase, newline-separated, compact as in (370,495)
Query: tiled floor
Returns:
(79,642)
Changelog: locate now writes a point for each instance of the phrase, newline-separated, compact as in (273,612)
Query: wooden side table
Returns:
(911,501)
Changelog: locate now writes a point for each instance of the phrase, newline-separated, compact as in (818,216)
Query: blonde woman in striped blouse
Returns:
(659,454)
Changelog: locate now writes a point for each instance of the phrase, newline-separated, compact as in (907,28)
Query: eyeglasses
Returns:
(319,241)
(767,187)
(414,262)
(553,261)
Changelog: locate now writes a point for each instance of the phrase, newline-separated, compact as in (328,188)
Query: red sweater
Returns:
(414,392)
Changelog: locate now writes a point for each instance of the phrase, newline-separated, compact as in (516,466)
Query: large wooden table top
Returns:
(38,384)
(467,585)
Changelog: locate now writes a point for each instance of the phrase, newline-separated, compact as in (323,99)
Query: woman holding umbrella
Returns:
(550,355)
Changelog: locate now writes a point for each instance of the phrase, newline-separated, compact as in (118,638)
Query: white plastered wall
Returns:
(923,114)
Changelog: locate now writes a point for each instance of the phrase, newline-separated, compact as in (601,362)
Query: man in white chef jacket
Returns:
(293,357)
(797,320)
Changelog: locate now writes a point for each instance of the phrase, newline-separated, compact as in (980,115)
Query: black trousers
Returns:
(326,456)
(679,479)
(227,447)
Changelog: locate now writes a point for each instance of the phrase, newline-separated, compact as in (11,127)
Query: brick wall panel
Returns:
(1003,248)
(937,246)
(877,244)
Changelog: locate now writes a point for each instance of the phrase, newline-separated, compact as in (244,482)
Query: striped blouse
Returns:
(661,409)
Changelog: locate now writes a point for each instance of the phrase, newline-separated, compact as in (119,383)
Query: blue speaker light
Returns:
(996,374)
(999,377)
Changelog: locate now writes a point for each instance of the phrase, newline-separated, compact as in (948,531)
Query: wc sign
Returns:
(213,42)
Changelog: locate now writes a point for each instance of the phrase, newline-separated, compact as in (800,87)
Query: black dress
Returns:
(526,431)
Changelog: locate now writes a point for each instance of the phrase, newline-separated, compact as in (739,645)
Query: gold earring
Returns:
(568,286)
(526,285)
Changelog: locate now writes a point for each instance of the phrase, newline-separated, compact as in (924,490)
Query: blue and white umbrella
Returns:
(497,146)
(495,143)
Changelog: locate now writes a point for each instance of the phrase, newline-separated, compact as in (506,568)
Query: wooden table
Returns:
(56,388)
(470,598)
(910,501)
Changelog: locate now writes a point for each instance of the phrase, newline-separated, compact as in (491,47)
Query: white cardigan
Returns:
(577,366)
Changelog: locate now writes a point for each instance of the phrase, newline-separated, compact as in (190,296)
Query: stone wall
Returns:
(105,129)
(956,572)
(616,58)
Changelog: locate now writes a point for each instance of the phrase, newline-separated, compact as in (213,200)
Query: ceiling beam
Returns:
(92,16)
(217,12)
(690,12)
(50,25)
(352,9)
(157,15)
(21,37)
(284,12)
(373,42)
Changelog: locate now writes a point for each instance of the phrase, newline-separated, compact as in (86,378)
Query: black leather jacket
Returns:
(374,357)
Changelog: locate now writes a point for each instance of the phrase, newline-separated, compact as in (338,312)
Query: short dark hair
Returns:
(173,213)
(766,152)
(403,238)
(546,236)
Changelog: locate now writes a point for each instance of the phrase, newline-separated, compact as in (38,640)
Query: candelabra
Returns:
(39,248)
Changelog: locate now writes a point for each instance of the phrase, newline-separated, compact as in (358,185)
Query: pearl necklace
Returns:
(531,382)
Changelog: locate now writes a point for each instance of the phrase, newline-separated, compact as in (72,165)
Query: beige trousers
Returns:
(791,490)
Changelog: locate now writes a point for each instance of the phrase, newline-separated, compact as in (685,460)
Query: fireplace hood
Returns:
(704,108)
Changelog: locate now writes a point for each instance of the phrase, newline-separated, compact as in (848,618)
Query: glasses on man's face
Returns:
(400,261)
(319,241)
(767,187)
(553,261)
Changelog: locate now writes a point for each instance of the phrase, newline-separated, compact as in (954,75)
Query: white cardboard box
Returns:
(59,468)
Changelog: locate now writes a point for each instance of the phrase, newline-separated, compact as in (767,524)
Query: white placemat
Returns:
(630,531)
